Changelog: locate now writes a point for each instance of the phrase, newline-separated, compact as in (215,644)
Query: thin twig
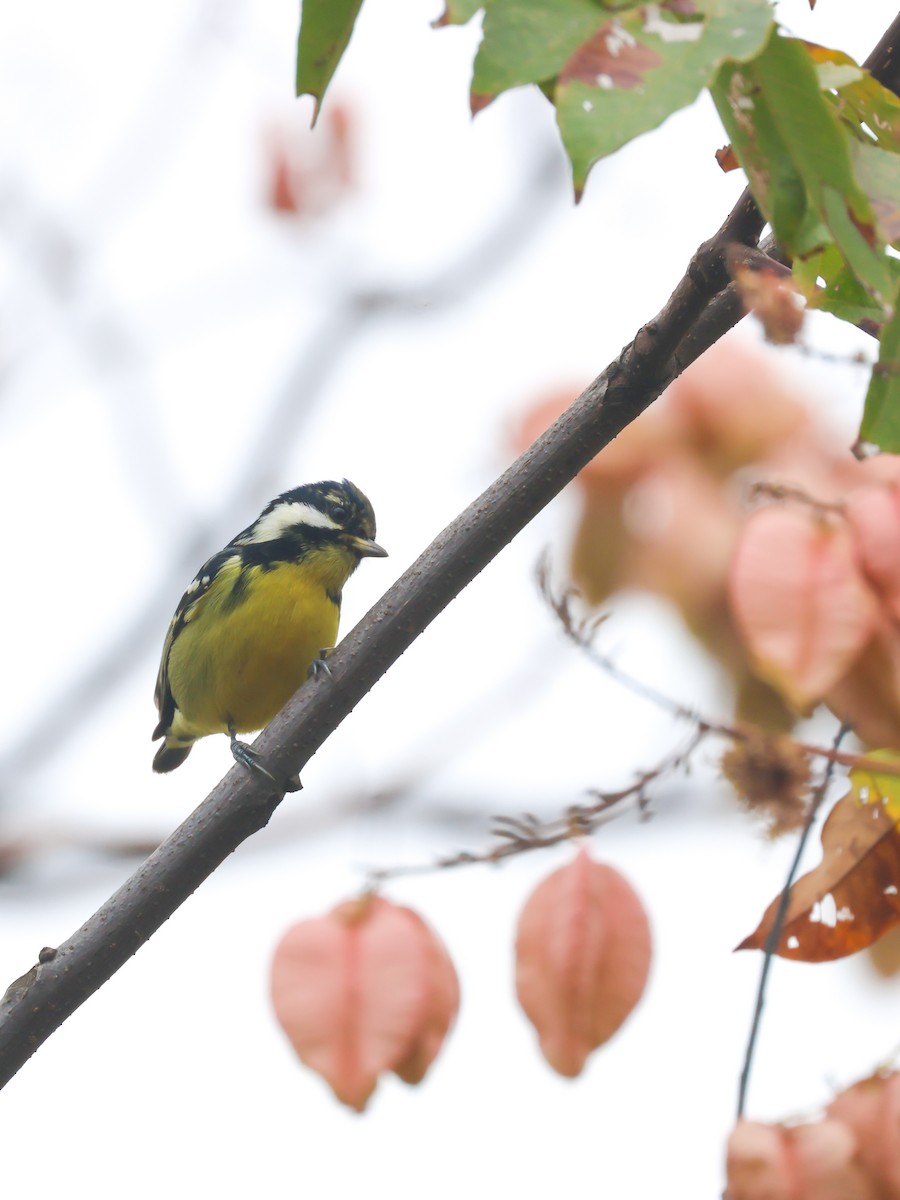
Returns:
(769,490)
(775,933)
(581,633)
(518,835)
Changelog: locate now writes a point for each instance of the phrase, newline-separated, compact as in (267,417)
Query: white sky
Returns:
(151,311)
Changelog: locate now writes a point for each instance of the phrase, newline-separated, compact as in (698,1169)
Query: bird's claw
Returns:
(248,757)
(319,666)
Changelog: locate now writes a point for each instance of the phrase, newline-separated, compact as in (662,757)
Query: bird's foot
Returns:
(319,666)
(248,757)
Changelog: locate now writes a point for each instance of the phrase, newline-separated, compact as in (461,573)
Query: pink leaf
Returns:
(801,1162)
(800,602)
(366,989)
(868,696)
(582,958)
(439,1013)
(871,1108)
(874,516)
(822,1158)
(755,1165)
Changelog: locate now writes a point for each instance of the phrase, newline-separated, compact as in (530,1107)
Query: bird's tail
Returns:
(167,757)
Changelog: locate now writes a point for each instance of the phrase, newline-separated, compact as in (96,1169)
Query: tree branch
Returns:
(35,1005)
(241,805)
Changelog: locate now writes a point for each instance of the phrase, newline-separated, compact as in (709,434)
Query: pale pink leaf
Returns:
(800,602)
(440,1011)
(868,696)
(874,516)
(871,1108)
(362,991)
(815,1161)
(582,958)
(822,1158)
(755,1164)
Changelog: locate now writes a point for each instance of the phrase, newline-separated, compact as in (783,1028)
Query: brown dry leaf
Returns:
(850,899)
(727,159)
(611,58)
(884,956)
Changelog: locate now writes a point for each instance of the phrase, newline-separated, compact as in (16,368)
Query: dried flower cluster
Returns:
(770,773)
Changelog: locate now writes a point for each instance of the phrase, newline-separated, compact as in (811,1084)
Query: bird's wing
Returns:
(189,606)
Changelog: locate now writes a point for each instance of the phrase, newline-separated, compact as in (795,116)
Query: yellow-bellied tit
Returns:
(258,617)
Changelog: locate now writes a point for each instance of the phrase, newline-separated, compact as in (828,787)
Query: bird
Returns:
(258,618)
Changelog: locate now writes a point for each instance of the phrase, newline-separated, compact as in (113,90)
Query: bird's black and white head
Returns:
(315,515)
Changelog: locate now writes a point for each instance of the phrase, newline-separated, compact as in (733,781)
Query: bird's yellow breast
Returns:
(250,644)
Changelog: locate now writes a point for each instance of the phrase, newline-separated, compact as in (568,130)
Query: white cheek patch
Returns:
(287,516)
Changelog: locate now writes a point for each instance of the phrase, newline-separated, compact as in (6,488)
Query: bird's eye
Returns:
(339,512)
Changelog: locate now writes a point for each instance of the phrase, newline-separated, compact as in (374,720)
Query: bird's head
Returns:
(317,514)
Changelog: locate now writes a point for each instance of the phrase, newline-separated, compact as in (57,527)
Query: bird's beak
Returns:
(366,548)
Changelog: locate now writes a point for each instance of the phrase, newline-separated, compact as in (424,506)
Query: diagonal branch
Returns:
(240,805)
(36,1004)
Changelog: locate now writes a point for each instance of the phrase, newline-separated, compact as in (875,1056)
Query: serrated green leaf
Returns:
(797,156)
(881,415)
(528,41)
(325,29)
(642,66)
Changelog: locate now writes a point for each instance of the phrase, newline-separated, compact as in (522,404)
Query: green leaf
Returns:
(764,154)
(821,150)
(642,66)
(859,100)
(878,172)
(843,295)
(325,28)
(881,415)
(875,788)
(797,155)
(528,41)
(833,74)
